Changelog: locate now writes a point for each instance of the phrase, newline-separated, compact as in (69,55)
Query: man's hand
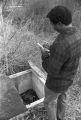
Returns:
(45,54)
(46,45)
(43,49)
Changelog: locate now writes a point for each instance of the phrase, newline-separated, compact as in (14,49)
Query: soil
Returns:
(36,113)
(29,96)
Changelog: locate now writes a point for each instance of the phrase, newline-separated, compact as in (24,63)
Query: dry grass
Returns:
(18,44)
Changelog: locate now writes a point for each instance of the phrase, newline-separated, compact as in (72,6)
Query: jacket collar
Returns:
(69,30)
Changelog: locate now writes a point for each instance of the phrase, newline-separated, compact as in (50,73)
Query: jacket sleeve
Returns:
(59,55)
(45,60)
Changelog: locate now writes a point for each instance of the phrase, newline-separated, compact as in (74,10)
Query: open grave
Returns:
(30,84)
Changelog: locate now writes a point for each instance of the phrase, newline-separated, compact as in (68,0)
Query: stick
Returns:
(42,47)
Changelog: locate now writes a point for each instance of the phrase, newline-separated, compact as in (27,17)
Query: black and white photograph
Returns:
(40,59)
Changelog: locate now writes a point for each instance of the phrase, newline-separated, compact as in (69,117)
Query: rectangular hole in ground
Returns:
(29,96)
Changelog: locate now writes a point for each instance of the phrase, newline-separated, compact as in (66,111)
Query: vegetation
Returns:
(22,25)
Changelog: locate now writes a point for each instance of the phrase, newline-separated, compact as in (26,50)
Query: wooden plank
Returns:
(37,71)
(22,80)
(20,74)
(35,103)
(38,85)
(39,77)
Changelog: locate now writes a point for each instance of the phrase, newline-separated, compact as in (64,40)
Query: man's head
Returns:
(60,16)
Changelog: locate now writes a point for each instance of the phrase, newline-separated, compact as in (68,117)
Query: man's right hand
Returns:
(46,45)
(43,49)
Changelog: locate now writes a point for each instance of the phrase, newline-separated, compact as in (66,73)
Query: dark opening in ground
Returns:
(29,96)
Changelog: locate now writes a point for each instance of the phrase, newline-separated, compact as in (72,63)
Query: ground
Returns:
(18,44)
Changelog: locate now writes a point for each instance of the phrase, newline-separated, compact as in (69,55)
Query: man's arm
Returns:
(45,60)
(58,55)
(45,54)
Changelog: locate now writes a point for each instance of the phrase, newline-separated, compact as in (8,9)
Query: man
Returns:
(61,63)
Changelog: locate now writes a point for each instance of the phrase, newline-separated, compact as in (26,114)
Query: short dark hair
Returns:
(60,14)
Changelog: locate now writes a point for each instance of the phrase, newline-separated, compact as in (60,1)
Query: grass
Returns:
(15,50)
(19,44)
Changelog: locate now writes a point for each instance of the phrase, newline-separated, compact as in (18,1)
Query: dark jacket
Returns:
(62,63)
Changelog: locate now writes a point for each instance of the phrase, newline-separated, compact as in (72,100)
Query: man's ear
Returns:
(60,24)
